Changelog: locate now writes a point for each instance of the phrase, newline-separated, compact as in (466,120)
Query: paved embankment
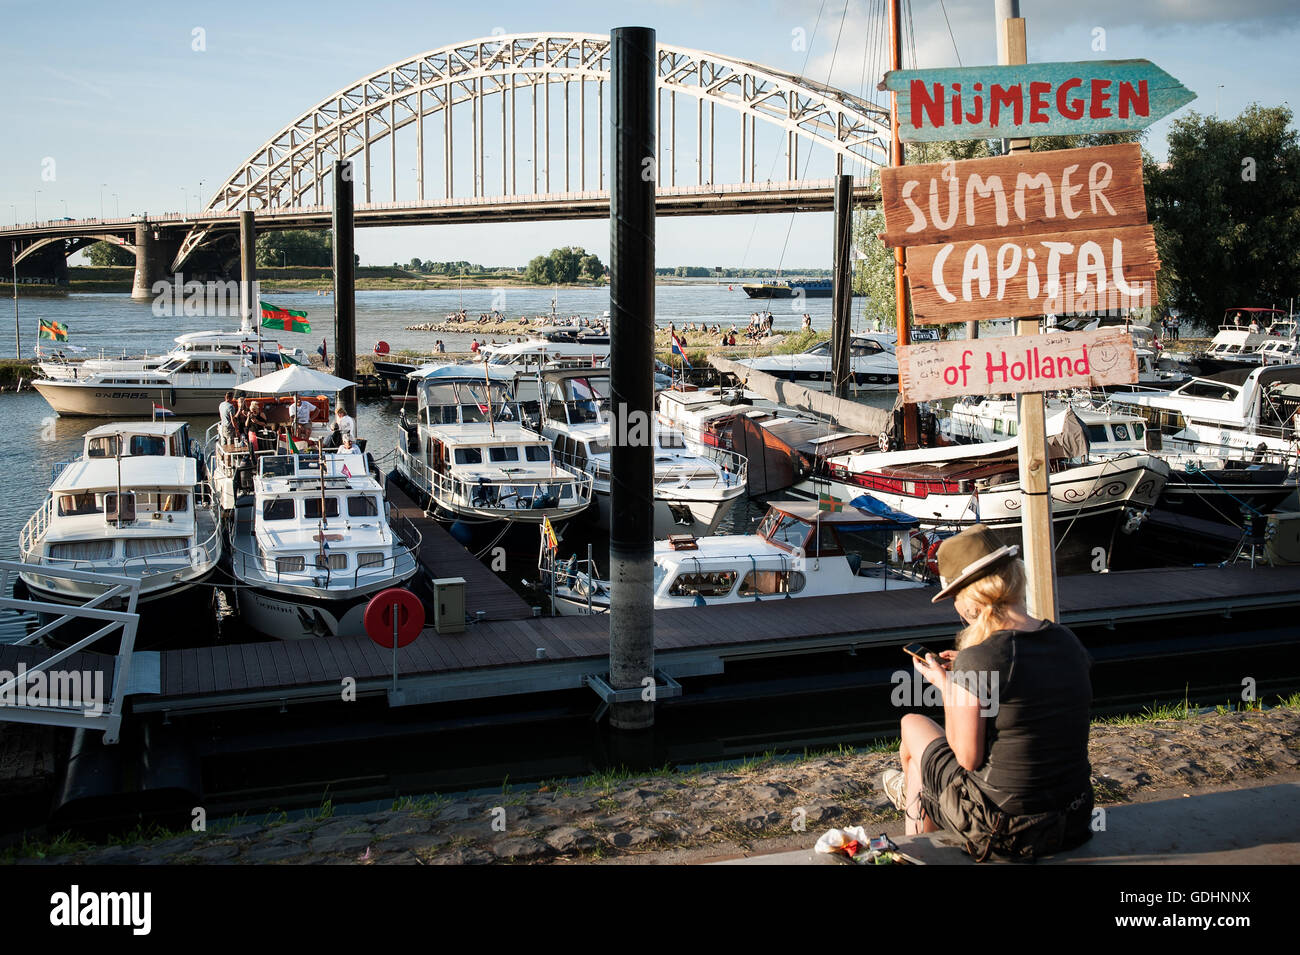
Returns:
(758,806)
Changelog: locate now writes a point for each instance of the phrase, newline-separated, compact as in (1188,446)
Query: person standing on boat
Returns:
(344,425)
(226,412)
(1008,771)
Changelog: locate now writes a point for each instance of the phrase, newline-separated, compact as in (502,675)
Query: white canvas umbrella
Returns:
(296,379)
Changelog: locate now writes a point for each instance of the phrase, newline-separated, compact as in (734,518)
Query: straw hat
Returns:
(968,556)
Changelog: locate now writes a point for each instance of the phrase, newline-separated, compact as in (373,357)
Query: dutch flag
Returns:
(679,349)
(160,412)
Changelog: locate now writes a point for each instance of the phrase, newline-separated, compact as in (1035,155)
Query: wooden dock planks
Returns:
(736,627)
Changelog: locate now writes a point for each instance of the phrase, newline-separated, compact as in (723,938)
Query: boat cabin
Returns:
(138,439)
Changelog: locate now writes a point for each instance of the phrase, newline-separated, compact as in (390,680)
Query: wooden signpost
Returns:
(1024,235)
(1017,363)
(1038,99)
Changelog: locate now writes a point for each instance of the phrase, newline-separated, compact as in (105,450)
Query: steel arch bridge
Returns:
(469,95)
(439,138)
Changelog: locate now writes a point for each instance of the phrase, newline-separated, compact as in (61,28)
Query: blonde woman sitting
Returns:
(1008,771)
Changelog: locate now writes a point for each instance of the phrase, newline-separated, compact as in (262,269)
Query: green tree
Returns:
(540,271)
(416,265)
(295,247)
(103,254)
(592,267)
(1226,207)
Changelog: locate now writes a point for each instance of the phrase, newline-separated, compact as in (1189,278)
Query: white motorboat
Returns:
(798,551)
(468,452)
(693,489)
(134,505)
(315,544)
(871,356)
(190,380)
(1250,411)
(952,487)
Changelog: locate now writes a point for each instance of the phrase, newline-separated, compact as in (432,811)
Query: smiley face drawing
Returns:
(1105,357)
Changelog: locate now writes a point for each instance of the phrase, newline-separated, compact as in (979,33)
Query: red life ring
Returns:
(920,544)
(932,557)
(378,618)
(381,348)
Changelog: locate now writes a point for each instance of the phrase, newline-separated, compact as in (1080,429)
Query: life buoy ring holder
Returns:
(378,618)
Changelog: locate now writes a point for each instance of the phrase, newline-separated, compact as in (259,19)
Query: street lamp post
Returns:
(117,204)
(185,197)
(101,200)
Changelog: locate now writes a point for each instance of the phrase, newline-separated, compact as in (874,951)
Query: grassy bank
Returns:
(12,370)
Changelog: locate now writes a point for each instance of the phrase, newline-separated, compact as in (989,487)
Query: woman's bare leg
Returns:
(918,732)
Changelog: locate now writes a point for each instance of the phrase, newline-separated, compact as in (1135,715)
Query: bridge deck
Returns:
(500,657)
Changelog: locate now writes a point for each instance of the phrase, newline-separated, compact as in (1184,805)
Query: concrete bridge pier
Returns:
(154,251)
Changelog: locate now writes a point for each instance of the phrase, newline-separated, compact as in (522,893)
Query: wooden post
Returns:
(1035,480)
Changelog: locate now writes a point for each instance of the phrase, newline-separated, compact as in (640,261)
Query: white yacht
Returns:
(132,505)
(871,355)
(797,551)
(190,380)
(1240,337)
(468,452)
(693,489)
(1250,410)
(952,487)
(315,544)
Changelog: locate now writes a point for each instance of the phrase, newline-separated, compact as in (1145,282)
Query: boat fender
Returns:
(932,557)
(196,557)
(582,584)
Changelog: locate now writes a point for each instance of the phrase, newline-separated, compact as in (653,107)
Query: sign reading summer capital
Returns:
(1033,99)
(1028,193)
(1016,363)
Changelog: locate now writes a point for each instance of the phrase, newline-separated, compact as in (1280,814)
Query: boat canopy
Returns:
(455,372)
(868,514)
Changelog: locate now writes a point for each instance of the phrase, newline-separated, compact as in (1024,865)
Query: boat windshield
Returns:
(784,529)
(456,402)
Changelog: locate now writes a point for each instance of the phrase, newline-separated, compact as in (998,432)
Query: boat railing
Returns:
(402,553)
(34,530)
(525,493)
(199,556)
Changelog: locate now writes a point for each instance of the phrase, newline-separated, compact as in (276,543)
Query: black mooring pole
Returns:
(842,289)
(633,72)
(345,302)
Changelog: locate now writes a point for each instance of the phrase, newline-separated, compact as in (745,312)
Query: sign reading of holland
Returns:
(1033,99)
(1068,232)
(1014,363)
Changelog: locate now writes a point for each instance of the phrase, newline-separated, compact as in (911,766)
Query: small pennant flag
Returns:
(160,412)
(323,352)
(293,448)
(346,472)
(53,331)
(284,319)
(552,543)
(826,502)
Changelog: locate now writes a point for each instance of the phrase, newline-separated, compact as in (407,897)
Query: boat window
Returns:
(82,550)
(161,501)
(370,559)
(71,505)
(1204,388)
(311,507)
(1139,430)
(861,349)
(790,531)
(503,454)
(222,368)
(178,444)
(597,446)
(154,546)
(823,349)
(671,439)
(277,466)
(469,455)
(828,544)
(148,445)
(363,505)
(105,447)
(760,582)
(1097,432)
(280,509)
(290,565)
(439,394)
(713,584)
(537,452)
(331,561)
(127,505)
(1121,432)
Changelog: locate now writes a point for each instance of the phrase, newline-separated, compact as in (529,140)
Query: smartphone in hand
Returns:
(920,651)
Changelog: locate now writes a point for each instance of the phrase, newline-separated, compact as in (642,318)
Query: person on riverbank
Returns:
(1008,771)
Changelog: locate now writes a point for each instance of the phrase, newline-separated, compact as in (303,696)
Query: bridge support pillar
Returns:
(154,252)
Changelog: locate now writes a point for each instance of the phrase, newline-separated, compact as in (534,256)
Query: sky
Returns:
(137,107)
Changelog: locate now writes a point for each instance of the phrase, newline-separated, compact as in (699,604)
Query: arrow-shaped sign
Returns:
(1034,99)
